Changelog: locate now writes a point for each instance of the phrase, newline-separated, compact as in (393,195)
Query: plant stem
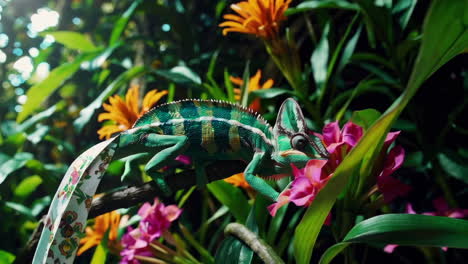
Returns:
(262,249)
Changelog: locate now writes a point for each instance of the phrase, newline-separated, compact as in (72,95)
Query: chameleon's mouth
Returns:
(295,152)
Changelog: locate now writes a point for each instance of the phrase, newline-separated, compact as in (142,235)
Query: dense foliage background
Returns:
(60,60)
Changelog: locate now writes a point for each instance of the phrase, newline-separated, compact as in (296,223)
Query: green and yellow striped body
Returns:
(215,129)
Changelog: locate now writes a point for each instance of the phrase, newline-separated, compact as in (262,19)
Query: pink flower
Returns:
(442,209)
(135,244)
(155,220)
(307,183)
(310,180)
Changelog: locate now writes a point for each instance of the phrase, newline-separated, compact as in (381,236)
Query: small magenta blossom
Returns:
(311,179)
(155,220)
(442,209)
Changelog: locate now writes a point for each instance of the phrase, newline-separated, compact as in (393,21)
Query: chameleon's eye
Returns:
(299,142)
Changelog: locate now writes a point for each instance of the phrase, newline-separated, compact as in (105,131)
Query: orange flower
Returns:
(109,221)
(254,85)
(258,17)
(125,113)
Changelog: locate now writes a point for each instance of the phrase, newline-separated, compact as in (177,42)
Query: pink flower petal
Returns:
(302,191)
(393,161)
(172,212)
(352,133)
(313,170)
(331,133)
(390,248)
(392,188)
(283,199)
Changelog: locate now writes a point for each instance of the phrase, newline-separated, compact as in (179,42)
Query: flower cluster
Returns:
(125,112)
(155,220)
(254,85)
(108,222)
(258,17)
(311,179)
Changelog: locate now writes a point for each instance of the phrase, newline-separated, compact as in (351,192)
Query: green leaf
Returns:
(180,75)
(6,257)
(205,255)
(28,185)
(319,59)
(37,118)
(229,251)
(316,4)
(245,85)
(455,168)
(39,92)
(122,22)
(232,197)
(441,16)
(100,255)
(405,229)
(15,163)
(270,93)
(412,230)
(72,40)
(405,8)
(19,208)
(187,73)
(124,78)
(365,118)
(331,252)
(444,18)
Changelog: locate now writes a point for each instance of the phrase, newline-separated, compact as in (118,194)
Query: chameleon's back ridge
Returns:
(194,105)
(215,125)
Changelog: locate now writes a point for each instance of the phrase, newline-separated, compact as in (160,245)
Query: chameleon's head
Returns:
(293,142)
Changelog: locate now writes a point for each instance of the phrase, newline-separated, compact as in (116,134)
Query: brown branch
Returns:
(137,194)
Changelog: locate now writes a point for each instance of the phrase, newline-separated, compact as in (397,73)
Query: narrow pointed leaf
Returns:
(72,40)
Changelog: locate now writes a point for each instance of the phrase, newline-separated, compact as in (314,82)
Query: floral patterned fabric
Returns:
(65,222)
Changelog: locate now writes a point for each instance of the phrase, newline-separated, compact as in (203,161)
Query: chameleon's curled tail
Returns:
(68,211)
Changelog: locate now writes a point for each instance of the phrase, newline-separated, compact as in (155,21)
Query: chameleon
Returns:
(205,130)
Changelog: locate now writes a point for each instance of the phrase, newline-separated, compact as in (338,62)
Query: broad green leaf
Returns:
(456,168)
(28,185)
(100,255)
(19,208)
(246,253)
(41,91)
(6,257)
(122,22)
(229,251)
(418,230)
(331,252)
(232,197)
(442,15)
(37,118)
(317,4)
(122,79)
(187,72)
(365,118)
(72,40)
(405,229)
(270,93)
(319,59)
(13,164)
(180,75)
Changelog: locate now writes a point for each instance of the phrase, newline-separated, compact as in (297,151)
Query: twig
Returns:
(262,249)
